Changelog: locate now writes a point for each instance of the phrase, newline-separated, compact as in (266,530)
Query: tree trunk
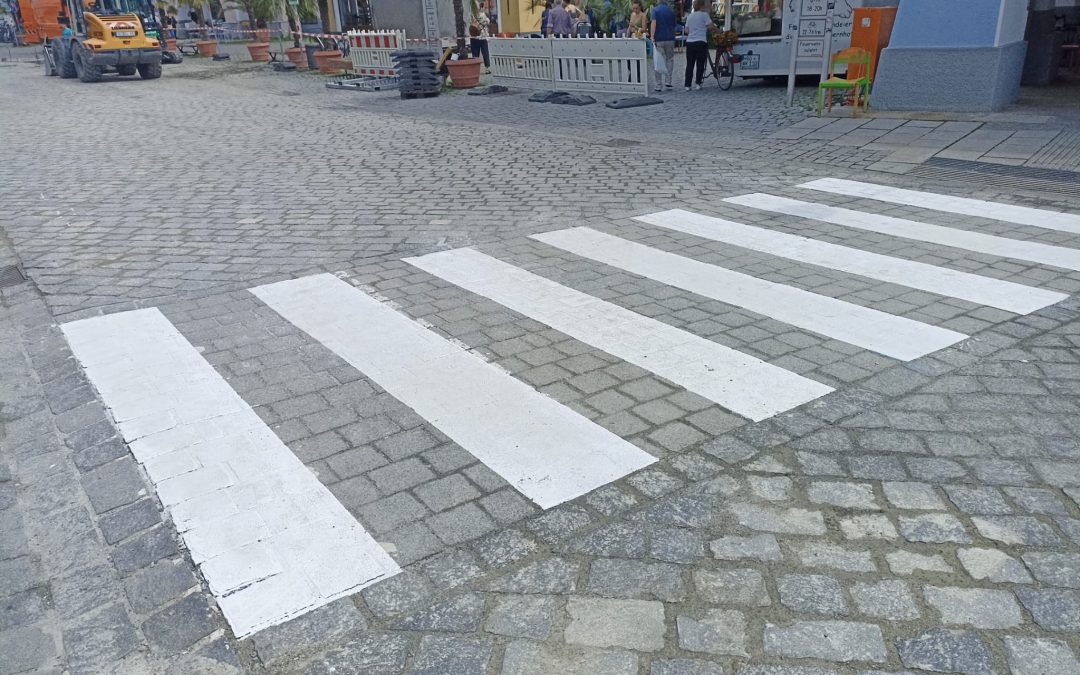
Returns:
(294,23)
(324,15)
(459,28)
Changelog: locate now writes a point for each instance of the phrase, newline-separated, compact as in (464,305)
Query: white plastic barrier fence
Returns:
(524,63)
(607,65)
(370,51)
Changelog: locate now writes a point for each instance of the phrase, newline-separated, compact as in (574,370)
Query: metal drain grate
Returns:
(1031,172)
(1000,175)
(1061,153)
(11,275)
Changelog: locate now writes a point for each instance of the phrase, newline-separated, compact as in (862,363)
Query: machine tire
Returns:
(149,71)
(88,73)
(125,70)
(64,63)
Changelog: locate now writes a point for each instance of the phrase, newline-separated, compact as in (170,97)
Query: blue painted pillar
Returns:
(952,56)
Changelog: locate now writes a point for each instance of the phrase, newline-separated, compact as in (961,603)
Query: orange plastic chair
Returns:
(858,77)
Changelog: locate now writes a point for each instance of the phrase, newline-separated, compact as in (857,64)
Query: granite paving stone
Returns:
(717,631)
(631,624)
(922,517)
(841,641)
(732,587)
(946,651)
(993,565)
(812,594)
(1033,656)
(522,616)
(978,607)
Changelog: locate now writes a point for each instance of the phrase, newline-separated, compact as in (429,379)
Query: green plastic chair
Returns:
(858,78)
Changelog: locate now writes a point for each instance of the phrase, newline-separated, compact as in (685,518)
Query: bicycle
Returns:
(724,59)
(723,67)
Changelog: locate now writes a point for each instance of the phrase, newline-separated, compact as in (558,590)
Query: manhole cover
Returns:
(11,275)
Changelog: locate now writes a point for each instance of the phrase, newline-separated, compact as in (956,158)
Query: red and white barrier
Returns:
(370,51)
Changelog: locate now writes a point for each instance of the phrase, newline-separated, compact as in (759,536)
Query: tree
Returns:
(258,11)
(459,27)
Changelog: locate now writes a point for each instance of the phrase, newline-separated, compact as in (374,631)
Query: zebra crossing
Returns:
(273,542)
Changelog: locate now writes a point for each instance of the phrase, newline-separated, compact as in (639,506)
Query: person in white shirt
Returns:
(697,43)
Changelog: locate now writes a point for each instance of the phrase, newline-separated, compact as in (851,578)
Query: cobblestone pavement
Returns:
(924,516)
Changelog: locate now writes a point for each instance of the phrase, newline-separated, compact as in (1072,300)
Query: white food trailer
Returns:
(768,30)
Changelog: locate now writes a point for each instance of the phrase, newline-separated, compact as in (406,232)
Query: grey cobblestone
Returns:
(994,436)
(522,616)
(889,599)
(812,594)
(829,640)
(976,607)
(631,624)
(732,587)
(718,631)
(1031,656)
(993,565)
(945,651)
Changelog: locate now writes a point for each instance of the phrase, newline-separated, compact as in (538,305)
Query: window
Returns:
(753,18)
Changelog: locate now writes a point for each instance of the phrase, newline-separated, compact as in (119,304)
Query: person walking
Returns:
(663,35)
(559,22)
(479,32)
(697,43)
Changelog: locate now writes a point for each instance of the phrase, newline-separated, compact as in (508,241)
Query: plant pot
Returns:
(310,50)
(297,57)
(260,51)
(206,47)
(322,58)
(262,35)
(464,73)
(170,44)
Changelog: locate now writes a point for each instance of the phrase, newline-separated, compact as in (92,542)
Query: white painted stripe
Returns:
(1022,215)
(1006,295)
(737,381)
(544,449)
(1067,258)
(271,540)
(893,336)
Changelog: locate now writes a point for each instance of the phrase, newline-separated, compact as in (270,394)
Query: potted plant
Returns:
(168,35)
(259,51)
(465,70)
(296,54)
(262,33)
(205,45)
(324,60)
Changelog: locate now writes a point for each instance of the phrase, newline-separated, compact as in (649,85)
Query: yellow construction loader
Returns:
(103,36)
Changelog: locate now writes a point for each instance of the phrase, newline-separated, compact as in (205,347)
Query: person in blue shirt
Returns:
(663,35)
(544,17)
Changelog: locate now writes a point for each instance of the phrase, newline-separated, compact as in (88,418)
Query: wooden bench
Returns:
(187,47)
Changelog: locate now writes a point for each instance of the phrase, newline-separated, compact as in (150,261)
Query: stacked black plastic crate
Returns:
(416,70)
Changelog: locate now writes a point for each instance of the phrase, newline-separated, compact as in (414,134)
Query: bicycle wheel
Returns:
(715,63)
(726,72)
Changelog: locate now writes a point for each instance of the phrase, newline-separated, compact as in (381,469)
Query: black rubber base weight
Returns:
(633,102)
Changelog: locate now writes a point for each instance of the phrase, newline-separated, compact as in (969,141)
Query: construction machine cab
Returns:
(121,36)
